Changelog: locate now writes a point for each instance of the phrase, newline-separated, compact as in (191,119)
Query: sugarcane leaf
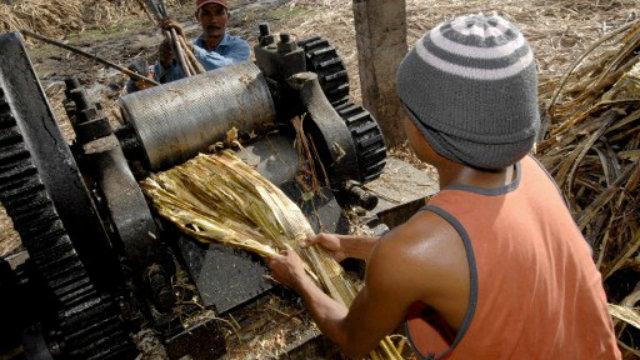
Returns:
(628,315)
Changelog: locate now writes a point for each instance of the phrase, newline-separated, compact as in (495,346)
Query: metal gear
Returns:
(370,146)
(89,321)
(323,59)
(90,327)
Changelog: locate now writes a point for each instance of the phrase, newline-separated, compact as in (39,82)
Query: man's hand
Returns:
(169,23)
(330,242)
(288,269)
(344,246)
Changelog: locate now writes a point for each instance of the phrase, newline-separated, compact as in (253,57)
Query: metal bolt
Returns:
(264,29)
(55,349)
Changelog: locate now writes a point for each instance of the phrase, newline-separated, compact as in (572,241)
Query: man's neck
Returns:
(211,43)
(461,175)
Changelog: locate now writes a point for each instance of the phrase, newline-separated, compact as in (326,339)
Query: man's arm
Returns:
(378,309)
(237,52)
(344,246)
(422,260)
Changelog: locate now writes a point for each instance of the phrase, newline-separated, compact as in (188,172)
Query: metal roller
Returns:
(177,120)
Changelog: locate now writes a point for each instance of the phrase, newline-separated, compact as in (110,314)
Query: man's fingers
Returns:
(275,258)
(168,24)
(309,241)
(304,243)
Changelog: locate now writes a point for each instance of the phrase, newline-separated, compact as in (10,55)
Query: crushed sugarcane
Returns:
(219,198)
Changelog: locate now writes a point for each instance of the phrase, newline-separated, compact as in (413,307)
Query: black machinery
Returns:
(98,263)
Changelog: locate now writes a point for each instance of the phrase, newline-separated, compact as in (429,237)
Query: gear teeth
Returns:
(323,59)
(13,171)
(6,121)
(81,309)
(9,137)
(14,152)
(368,138)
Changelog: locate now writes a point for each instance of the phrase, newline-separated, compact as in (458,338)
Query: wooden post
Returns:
(381,34)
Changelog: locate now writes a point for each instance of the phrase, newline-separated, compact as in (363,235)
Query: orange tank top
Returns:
(535,291)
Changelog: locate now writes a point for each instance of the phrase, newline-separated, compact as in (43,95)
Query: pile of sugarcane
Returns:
(219,198)
(592,148)
(180,47)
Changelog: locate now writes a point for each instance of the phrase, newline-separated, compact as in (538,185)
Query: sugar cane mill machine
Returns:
(98,262)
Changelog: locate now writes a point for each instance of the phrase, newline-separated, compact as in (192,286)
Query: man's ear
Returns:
(197,15)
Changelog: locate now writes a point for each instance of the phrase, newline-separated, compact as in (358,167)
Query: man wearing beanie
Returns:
(494,266)
(214,48)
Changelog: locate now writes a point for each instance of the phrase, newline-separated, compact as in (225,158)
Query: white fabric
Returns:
(473,73)
(473,51)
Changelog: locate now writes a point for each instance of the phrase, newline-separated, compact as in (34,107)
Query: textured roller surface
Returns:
(89,326)
(175,121)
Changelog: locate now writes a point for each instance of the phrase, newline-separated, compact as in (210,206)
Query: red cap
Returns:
(201,3)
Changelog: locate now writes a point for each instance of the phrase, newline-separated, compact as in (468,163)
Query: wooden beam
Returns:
(381,35)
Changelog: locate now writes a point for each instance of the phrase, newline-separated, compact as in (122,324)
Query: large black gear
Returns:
(323,59)
(370,146)
(85,322)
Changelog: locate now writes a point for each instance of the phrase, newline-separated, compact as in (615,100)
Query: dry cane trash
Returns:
(219,198)
(592,149)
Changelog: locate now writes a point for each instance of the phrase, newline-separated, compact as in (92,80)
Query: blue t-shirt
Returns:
(231,50)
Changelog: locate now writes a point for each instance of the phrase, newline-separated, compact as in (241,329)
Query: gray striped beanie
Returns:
(470,86)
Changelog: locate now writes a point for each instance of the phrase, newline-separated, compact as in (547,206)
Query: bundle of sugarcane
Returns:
(220,198)
(181,49)
(592,148)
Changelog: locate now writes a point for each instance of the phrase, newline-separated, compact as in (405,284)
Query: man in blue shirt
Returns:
(214,48)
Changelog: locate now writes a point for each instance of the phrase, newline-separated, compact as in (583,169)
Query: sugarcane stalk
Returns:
(90,56)
(193,195)
(146,10)
(154,9)
(191,56)
(171,35)
(577,62)
(191,60)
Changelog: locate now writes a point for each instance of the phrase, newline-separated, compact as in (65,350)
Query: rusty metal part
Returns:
(278,61)
(134,225)
(118,194)
(37,132)
(45,195)
(370,145)
(323,59)
(359,196)
(330,133)
(86,117)
(177,120)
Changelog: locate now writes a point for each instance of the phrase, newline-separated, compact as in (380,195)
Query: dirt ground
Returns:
(558,30)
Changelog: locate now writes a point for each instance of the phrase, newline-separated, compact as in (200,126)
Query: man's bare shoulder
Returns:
(423,236)
(425,247)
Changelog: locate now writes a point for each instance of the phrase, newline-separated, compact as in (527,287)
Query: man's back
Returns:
(500,262)
(534,290)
